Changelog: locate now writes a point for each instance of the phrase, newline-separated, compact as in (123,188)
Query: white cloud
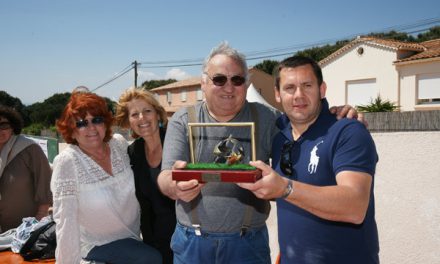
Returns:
(174,73)
(148,76)
(177,74)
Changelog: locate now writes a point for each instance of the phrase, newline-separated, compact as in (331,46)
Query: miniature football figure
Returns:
(228,151)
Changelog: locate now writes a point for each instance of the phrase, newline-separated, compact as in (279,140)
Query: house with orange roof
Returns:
(188,92)
(407,74)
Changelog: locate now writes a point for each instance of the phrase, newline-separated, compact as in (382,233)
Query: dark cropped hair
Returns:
(77,108)
(13,117)
(296,61)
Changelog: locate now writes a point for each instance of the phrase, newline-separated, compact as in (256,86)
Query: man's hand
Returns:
(186,190)
(347,111)
(270,186)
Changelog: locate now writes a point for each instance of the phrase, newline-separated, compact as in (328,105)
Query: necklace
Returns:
(102,160)
(98,158)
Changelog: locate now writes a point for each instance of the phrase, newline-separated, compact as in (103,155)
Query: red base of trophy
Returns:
(217,175)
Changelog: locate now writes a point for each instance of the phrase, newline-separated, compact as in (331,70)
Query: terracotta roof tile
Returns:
(432,50)
(400,45)
(393,44)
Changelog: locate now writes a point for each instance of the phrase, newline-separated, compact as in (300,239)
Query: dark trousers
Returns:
(125,251)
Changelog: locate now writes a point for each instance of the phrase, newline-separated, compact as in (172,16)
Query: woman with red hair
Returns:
(95,207)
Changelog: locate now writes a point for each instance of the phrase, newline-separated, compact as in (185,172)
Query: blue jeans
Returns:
(123,251)
(218,248)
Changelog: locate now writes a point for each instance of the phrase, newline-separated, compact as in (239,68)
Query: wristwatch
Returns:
(288,191)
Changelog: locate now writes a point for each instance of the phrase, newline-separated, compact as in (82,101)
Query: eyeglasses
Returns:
(221,79)
(97,120)
(286,160)
(5,125)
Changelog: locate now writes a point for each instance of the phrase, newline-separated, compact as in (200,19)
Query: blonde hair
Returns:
(121,116)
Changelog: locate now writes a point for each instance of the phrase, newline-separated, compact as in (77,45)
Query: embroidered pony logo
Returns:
(314,159)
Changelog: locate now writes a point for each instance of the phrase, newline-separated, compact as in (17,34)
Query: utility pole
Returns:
(135,74)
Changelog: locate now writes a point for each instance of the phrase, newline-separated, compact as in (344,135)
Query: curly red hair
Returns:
(77,108)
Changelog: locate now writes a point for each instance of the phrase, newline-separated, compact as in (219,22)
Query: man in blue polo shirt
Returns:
(322,176)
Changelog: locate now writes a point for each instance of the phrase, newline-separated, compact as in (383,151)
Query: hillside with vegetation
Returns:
(321,52)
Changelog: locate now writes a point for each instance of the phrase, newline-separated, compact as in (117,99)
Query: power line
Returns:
(415,27)
(317,45)
(420,23)
(171,65)
(297,47)
(172,61)
(118,75)
(283,51)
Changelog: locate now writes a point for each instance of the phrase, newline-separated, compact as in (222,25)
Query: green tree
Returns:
(320,53)
(14,102)
(148,85)
(433,33)
(46,112)
(34,129)
(378,105)
(400,36)
(267,66)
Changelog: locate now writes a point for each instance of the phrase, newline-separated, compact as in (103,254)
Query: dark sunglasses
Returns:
(97,120)
(220,80)
(286,159)
(5,125)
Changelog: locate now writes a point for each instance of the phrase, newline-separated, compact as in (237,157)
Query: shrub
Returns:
(378,105)
(33,129)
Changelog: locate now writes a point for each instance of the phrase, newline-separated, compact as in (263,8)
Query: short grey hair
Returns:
(224,49)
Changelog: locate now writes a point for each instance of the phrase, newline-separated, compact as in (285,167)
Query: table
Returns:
(9,257)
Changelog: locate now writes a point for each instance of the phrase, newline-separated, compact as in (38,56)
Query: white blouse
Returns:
(91,207)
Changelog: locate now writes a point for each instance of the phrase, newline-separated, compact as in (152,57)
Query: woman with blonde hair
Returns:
(138,110)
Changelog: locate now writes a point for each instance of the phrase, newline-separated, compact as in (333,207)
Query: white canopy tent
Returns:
(254,96)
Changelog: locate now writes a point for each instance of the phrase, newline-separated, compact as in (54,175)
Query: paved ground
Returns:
(273,233)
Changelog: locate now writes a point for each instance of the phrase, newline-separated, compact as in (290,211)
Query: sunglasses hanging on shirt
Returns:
(286,159)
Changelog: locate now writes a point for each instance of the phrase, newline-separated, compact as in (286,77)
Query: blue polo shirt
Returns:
(325,149)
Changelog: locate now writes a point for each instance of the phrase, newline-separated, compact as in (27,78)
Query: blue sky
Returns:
(49,47)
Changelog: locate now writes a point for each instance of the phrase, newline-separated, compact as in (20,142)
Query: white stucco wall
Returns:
(408,196)
(407,192)
(375,63)
(408,84)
